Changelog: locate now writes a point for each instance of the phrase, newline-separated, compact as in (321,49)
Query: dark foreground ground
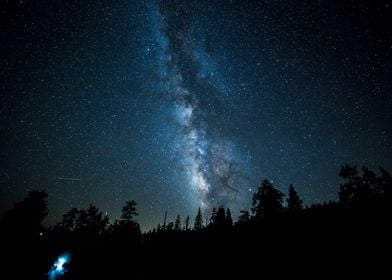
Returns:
(318,245)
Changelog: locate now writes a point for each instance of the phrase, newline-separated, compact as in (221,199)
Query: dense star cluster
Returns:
(205,150)
(184,104)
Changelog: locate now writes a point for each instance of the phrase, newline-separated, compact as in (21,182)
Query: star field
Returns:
(181,104)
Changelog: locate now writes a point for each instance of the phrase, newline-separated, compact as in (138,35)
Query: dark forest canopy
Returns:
(360,189)
(365,202)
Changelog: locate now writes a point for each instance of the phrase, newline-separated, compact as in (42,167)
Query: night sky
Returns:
(181,104)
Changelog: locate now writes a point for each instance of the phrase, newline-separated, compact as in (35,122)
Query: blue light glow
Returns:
(58,268)
(59,264)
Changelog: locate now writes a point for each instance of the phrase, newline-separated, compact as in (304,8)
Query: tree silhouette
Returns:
(358,189)
(88,221)
(385,182)
(170,226)
(127,228)
(85,233)
(267,201)
(177,223)
(69,220)
(213,216)
(244,217)
(220,219)
(229,219)
(128,211)
(186,226)
(91,221)
(349,174)
(369,178)
(27,215)
(198,225)
(294,202)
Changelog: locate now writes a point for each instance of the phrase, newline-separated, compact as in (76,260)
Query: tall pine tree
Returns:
(177,223)
(198,225)
(294,202)
(267,201)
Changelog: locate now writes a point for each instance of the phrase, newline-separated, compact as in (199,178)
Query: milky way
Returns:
(188,103)
(207,155)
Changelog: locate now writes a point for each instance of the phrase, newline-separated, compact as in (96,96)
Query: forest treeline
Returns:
(364,204)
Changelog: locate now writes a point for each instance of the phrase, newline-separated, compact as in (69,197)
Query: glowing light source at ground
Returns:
(58,268)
